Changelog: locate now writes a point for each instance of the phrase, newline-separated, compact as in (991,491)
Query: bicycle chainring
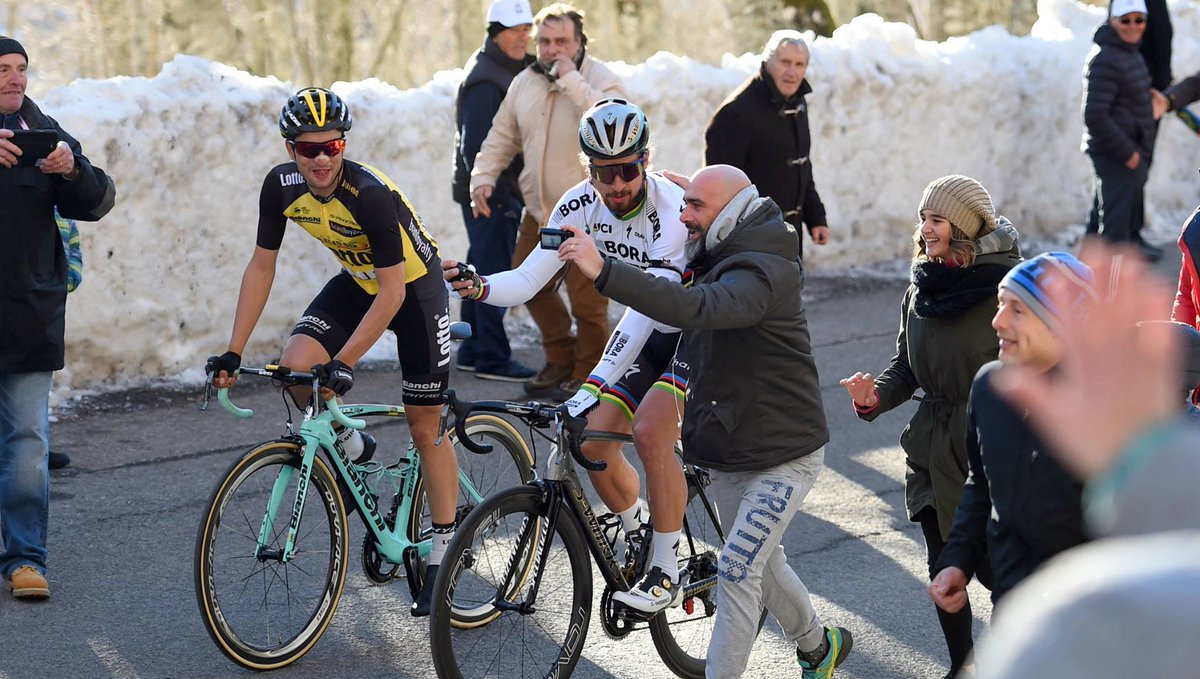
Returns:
(612,617)
(377,569)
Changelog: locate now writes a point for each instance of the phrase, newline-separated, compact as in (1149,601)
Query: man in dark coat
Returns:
(1156,51)
(1118,116)
(762,129)
(33,302)
(1020,505)
(753,414)
(493,236)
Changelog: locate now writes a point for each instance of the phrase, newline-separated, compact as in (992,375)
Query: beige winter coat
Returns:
(541,120)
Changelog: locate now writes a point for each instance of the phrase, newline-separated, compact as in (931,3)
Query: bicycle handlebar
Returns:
(286,375)
(536,414)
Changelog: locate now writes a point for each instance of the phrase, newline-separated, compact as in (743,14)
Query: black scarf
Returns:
(951,291)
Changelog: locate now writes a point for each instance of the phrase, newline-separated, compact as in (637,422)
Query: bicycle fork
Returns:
(278,491)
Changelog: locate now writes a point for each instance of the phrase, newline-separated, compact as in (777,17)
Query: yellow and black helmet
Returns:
(313,109)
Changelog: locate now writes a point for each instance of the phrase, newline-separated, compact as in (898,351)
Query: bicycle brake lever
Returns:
(207,393)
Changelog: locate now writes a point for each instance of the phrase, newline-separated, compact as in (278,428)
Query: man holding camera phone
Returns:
(35,178)
(639,382)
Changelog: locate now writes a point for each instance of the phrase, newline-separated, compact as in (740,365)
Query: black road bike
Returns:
(524,552)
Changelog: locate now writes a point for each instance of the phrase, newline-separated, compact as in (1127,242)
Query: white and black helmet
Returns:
(613,128)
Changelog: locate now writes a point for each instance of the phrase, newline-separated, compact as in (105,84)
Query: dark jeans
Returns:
(1116,199)
(492,242)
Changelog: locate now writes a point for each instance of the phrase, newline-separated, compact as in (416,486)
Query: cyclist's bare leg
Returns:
(439,467)
(618,485)
(301,353)
(655,431)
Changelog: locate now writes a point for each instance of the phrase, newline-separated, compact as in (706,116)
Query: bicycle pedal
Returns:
(689,605)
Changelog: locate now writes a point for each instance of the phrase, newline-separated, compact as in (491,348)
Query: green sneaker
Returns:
(840,642)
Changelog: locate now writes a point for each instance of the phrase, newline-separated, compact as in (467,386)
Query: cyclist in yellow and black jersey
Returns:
(385,284)
(357,222)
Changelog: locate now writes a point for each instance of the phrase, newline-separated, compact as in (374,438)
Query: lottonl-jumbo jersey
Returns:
(651,239)
(366,223)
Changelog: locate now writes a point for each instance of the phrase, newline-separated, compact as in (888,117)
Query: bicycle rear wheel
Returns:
(681,635)
(491,559)
(262,612)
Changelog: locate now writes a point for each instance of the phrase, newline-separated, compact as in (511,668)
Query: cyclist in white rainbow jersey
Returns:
(638,386)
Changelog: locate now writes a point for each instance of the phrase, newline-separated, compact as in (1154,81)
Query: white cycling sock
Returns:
(442,535)
(663,554)
(631,519)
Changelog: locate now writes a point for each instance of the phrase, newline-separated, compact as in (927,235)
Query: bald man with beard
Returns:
(753,411)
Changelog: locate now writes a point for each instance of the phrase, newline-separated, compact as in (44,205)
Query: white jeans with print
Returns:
(755,509)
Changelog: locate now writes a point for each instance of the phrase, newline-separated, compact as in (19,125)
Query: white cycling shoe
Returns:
(654,593)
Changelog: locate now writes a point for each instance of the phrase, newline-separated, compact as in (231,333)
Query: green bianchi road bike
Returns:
(272,550)
(523,554)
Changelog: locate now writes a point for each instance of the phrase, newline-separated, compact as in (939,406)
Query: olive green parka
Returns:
(945,337)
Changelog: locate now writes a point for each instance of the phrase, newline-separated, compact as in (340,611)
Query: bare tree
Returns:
(404,43)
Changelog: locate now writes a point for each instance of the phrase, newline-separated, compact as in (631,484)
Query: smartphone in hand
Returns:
(552,238)
(34,144)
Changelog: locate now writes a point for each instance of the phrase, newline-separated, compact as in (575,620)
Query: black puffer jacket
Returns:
(33,266)
(1117,114)
(767,137)
(1019,507)
(754,397)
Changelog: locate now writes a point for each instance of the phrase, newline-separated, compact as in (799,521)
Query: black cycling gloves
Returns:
(228,361)
(468,272)
(335,376)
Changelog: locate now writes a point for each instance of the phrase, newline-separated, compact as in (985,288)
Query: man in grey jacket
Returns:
(753,407)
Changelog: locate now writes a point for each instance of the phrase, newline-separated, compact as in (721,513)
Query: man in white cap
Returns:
(540,119)
(493,235)
(1118,118)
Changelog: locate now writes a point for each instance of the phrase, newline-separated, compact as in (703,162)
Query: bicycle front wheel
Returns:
(264,612)
(540,621)
(479,476)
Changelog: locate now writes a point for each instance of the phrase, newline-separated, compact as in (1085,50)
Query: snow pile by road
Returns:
(189,148)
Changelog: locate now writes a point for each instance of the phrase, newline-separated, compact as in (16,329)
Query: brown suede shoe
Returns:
(27,583)
(548,378)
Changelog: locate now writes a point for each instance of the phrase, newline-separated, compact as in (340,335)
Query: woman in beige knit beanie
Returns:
(955,211)
(962,251)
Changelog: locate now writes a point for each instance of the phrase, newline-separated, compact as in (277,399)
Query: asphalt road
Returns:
(124,517)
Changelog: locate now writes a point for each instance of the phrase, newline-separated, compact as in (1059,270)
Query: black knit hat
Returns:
(11,46)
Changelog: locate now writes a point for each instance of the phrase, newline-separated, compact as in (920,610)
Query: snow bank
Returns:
(189,149)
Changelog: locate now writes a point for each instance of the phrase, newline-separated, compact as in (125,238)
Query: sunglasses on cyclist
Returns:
(312,149)
(1126,20)
(607,174)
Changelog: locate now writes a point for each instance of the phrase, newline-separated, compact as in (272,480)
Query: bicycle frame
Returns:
(316,433)
(562,487)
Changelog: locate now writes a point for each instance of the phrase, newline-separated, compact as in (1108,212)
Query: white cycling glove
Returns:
(584,400)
